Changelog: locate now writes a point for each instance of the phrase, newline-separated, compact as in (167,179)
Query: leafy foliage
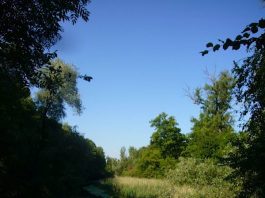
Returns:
(249,156)
(167,136)
(63,78)
(212,132)
(28,30)
(154,160)
(246,38)
(41,160)
(201,174)
(151,163)
(190,171)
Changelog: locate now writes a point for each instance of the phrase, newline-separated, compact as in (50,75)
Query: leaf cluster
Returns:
(246,38)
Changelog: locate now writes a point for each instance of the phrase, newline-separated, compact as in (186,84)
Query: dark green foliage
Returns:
(145,162)
(29,28)
(131,161)
(249,157)
(151,163)
(212,132)
(39,160)
(38,156)
(166,145)
(112,166)
(207,140)
(167,137)
(246,38)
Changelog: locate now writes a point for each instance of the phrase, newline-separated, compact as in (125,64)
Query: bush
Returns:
(191,171)
(202,175)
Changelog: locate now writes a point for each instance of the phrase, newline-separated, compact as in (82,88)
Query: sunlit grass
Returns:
(136,187)
(128,187)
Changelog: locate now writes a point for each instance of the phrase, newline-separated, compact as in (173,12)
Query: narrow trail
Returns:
(96,191)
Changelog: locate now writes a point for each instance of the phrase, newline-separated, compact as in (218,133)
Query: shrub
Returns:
(190,171)
(210,178)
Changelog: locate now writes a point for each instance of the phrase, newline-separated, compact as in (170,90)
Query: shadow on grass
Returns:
(100,190)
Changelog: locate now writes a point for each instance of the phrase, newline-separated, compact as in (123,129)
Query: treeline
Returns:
(213,144)
(211,137)
(40,156)
(197,158)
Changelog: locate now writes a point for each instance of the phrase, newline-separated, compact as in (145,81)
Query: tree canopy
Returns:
(63,78)
(29,28)
(212,131)
(248,159)
(167,136)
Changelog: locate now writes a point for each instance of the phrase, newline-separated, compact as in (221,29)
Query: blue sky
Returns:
(142,55)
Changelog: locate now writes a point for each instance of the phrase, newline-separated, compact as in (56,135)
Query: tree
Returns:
(167,136)
(56,162)
(212,131)
(37,161)
(51,100)
(29,28)
(248,159)
(149,163)
(250,154)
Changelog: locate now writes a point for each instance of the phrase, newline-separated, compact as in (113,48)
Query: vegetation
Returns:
(212,132)
(128,187)
(28,30)
(194,161)
(167,136)
(42,157)
(63,78)
(39,156)
(248,157)
(135,187)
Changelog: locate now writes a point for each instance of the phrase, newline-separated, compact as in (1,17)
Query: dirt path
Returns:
(96,191)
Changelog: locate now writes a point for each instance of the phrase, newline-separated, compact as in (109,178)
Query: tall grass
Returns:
(128,187)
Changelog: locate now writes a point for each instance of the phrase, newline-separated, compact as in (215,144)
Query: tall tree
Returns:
(63,78)
(250,154)
(167,136)
(250,93)
(213,130)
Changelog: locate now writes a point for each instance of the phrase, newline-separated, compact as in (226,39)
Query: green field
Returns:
(128,187)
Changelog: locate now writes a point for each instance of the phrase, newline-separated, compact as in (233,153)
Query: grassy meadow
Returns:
(129,187)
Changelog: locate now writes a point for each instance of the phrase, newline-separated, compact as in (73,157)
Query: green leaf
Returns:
(209,44)
(239,37)
(254,29)
(225,46)
(204,52)
(262,23)
(246,35)
(246,29)
(216,47)
(236,45)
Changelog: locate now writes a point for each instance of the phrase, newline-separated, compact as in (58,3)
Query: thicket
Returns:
(41,157)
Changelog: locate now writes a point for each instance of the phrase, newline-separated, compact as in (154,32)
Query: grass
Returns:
(128,187)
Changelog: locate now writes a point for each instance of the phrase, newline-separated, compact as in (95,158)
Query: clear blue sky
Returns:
(142,54)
